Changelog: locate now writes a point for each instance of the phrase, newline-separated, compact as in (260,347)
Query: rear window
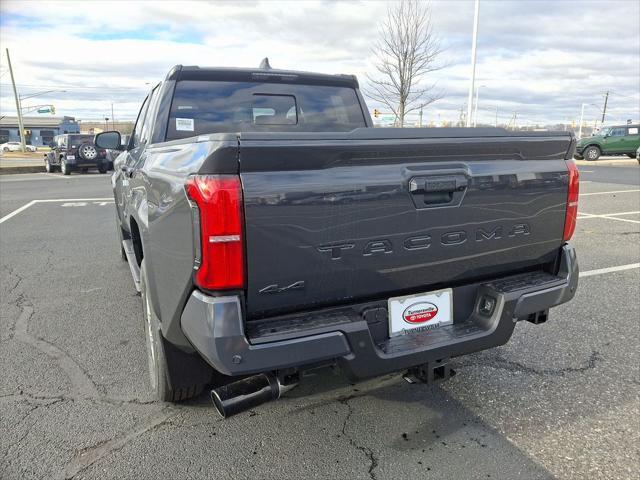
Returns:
(75,140)
(202,107)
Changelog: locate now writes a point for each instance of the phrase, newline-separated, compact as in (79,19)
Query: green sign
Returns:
(44,110)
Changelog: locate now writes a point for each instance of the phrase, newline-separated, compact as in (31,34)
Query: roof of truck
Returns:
(180,72)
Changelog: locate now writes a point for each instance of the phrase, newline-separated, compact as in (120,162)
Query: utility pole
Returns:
(113,120)
(496,122)
(476,18)
(420,121)
(475,108)
(604,110)
(18,107)
(581,117)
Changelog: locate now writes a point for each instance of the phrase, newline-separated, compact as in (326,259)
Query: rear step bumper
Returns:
(215,327)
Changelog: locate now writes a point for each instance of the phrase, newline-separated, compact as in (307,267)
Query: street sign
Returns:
(44,110)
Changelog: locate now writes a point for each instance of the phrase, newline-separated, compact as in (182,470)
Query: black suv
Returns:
(75,151)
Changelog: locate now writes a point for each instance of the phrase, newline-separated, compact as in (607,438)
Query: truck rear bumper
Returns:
(215,328)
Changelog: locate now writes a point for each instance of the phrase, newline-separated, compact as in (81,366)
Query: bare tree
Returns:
(405,52)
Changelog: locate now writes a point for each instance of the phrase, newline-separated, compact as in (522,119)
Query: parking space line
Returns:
(16,212)
(609,216)
(51,200)
(600,271)
(606,193)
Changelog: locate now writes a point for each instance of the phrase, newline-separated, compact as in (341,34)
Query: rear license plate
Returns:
(421,312)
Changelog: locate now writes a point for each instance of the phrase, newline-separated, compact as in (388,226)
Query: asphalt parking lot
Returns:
(561,400)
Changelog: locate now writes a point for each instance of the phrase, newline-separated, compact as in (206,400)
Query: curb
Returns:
(22,169)
(608,163)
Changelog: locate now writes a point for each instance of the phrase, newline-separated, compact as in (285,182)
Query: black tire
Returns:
(578,157)
(5,149)
(102,168)
(174,374)
(592,153)
(47,166)
(64,167)
(631,155)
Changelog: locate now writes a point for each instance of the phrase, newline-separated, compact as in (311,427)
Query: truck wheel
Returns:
(102,169)
(174,375)
(47,166)
(592,153)
(64,167)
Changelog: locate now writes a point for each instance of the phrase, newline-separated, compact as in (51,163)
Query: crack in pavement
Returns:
(82,384)
(373,459)
(90,455)
(5,461)
(499,362)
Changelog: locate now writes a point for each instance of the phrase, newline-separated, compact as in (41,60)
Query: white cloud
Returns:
(542,59)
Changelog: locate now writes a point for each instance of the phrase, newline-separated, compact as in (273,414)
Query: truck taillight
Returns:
(572,201)
(219,261)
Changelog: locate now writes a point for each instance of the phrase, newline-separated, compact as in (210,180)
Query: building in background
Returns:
(39,131)
(93,127)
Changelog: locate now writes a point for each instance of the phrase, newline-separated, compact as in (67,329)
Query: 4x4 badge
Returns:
(277,289)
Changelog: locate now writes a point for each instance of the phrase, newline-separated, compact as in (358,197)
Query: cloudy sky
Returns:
(542,59)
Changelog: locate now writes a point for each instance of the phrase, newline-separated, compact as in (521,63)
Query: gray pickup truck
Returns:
(272,230)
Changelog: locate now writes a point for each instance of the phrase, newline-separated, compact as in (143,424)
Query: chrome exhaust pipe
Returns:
(247,393)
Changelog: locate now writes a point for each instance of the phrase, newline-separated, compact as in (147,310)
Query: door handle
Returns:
(438,190)
(127,171)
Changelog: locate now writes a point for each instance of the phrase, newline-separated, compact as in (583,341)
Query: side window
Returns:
(618,132)
(632,131)
(147,124)
(135,136)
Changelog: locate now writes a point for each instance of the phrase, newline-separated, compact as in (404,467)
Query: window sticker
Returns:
(184,124)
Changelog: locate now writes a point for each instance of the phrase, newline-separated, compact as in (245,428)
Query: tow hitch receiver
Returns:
(430,372)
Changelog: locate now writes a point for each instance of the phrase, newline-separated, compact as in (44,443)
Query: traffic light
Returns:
(376,112)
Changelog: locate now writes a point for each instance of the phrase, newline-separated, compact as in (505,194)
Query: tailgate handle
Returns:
(438,190)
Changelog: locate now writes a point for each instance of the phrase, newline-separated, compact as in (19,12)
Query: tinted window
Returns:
(618,132)
(201,107)
(148,121)
(76,140)
(135,136)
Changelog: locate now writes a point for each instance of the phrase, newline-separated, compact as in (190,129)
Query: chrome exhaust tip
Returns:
(247,393)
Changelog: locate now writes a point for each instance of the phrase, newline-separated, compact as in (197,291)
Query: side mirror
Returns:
(108,140)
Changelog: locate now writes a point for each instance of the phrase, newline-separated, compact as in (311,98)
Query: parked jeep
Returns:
(613,140)
(75,152)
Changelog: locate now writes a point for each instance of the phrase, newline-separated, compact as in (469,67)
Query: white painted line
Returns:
(597,215)
(600,271)
(74,200)
(609,216)
(586,171)
(17,211)
(51,200)
(606,193)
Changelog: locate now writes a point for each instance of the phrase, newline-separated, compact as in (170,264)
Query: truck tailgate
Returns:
(335,220)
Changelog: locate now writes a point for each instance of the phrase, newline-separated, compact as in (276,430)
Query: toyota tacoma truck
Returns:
(270,230)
